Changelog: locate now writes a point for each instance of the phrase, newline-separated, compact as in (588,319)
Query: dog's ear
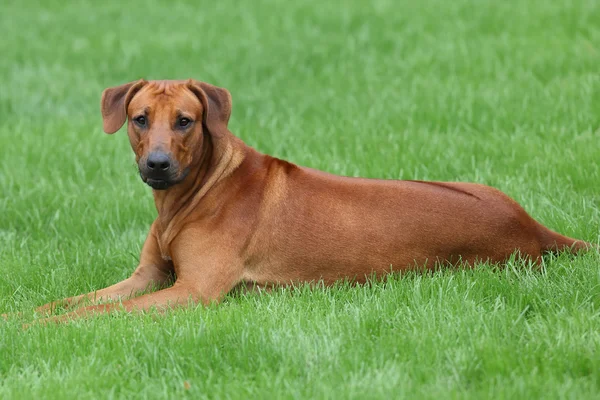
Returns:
(114,104)
(217,105)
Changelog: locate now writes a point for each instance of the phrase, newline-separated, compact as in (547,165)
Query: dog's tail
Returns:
(554,242)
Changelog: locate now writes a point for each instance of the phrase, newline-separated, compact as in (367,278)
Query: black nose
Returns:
(158,161)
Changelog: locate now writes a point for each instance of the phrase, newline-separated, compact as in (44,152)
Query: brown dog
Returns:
(229,215)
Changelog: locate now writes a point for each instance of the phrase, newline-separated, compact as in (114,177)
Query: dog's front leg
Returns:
(176,295)
(205,273)
(152,271)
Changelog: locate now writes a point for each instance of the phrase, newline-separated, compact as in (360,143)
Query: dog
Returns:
(230,216)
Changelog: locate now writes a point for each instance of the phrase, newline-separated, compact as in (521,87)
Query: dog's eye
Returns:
(141,120)
(184,122)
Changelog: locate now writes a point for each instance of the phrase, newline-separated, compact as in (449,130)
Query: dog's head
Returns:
(167,124)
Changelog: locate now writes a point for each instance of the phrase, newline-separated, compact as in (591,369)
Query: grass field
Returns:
(505,93)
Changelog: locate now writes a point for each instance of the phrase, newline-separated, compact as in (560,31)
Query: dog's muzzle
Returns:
(160,171)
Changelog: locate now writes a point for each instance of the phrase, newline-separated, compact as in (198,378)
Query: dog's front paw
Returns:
(7,316)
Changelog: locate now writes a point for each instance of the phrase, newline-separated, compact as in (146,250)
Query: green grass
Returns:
(505,93)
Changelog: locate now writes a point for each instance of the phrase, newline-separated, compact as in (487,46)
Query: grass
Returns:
(505,93)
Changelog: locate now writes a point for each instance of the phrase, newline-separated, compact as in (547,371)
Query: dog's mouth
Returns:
(164,184)
(158,184)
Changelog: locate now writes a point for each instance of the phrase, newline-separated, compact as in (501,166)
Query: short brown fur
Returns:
(239,216)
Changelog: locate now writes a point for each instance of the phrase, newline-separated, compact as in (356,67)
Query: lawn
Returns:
(505,93)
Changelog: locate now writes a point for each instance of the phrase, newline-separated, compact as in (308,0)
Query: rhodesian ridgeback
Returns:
(229,215)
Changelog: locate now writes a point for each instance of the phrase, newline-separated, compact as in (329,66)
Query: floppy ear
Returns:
(114,104)
(217,105)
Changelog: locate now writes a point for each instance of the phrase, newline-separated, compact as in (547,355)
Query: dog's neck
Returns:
(170,200)
(221,156)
